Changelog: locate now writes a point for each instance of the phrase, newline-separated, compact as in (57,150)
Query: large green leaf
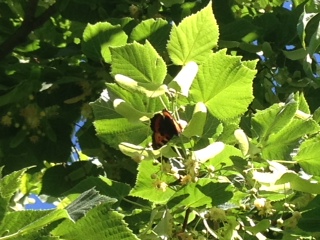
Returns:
(280,144)
(273,119)
(9,185)
(224,84)
(142,63)
(112,128)
(310,11)
(156,31)
(99,223)
(99,37)
(308,156)
(115,131)
(25,222)
(194,38)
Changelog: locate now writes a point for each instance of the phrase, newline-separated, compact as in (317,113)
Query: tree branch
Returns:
(29,24)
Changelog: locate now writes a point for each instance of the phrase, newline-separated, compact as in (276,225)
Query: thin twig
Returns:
(186,218)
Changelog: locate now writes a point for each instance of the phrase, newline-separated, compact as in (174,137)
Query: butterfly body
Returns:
(164,127)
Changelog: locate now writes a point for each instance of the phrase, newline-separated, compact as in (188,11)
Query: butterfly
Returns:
(164,127)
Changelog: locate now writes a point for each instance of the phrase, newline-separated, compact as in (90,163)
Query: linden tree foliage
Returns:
(80,82)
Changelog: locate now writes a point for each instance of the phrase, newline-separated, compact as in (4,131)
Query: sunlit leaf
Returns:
(139,62)
(194,38)
(99,37)
(308,156)
(151,184)
(222,77)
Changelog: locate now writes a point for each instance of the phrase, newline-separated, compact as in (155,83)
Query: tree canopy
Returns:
(160,119)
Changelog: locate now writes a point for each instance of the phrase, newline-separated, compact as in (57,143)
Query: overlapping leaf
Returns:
(140,62)
(99,37)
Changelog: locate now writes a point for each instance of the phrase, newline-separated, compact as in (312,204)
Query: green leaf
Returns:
(281,144)
(115,131)
(99,223)
(205,192)
(314,42)
(303,104)
(86,201)
(194,38)
(297,54)
(316,115)
(25,222)
(9,184)
(308,14)
(273,119)
(142,63)
(112,128)
(299,184)
(60,178)
(165,226)
(152,183)
(99,37)
(226,158)
(308,156)
(219,192)
(139,101)
(224,84)
(309,220)
(156,31)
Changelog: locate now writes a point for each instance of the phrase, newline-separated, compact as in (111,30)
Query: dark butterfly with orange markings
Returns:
(164,127)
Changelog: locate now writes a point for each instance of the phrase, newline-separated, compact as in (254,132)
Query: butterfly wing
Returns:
(164,127)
